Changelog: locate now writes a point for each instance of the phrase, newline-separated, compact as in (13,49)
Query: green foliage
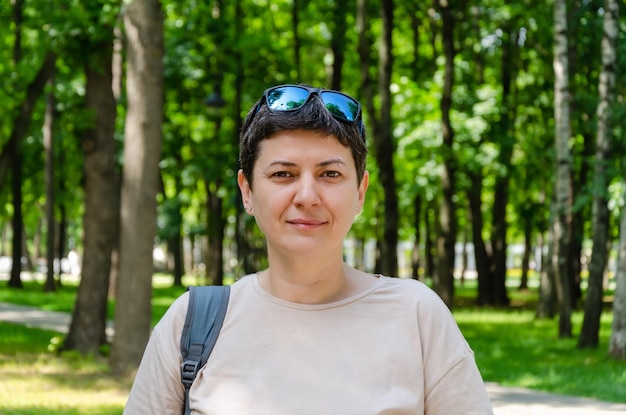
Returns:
(250,44)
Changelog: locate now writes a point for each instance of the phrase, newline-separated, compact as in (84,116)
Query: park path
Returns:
(505,400)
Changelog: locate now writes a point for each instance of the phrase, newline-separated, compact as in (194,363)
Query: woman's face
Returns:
(306,193)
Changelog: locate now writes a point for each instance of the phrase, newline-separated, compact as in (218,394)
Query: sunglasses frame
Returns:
(358,119)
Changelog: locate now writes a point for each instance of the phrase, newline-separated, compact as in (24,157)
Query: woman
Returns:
(310,334)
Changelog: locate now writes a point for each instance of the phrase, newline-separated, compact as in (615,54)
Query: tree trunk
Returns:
(444,276)
(175,246)
(295,24)
(338,42)
(617,341)
(143,20)
(429,257)
(546,306)
(589,334)
(15,280)
(528,248)
(48,142)
(506,140)
(563,200)
(101,217)
(481,256)
(15,157)
(381,122)
(22,119)
(62,227)
(215,231)
(385,147)
(415,255)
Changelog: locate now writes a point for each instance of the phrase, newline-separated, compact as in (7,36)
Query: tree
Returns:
(561,224)
(617,341)
(143,22)
(48,139)
(381,122)
(589,333)
(11,155)
(101,218)
(444,276)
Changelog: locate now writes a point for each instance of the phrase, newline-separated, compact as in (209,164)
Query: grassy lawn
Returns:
(36,381)
(512,348)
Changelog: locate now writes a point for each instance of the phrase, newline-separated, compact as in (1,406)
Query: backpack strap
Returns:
(205,315)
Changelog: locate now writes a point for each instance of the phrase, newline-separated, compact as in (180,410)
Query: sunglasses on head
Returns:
(292,97)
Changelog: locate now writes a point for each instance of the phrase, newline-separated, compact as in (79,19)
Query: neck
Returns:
(313,282)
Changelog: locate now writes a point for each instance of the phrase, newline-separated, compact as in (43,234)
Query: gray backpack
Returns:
(205,315)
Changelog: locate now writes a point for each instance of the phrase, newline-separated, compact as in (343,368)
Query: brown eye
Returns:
(281,174)
(332,173)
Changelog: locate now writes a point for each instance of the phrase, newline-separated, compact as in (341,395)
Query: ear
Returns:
(363,189)
(246,191)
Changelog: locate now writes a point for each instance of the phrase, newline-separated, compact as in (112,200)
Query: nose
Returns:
(307,192)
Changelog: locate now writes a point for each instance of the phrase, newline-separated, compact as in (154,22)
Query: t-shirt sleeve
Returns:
(460,392)
(453,384)
(157,388)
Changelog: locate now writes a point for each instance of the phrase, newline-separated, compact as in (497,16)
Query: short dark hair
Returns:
(261,123)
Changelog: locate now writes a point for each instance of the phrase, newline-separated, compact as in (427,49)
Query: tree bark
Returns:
(143,20)
(48,142)
(429,257)
(563,199)
(506,139)
(15,159)
(415,254)
(15,280)
(381,123)
(101,217)
(546,306)
(215,230)
(481,255)
(589,334)
(528,247)
(444,276)
(385,147)
(338,42)
(617,341)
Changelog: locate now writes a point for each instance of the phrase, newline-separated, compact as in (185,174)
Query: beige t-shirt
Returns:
(394,349)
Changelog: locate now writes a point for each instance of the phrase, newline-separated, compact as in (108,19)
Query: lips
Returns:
(306,222)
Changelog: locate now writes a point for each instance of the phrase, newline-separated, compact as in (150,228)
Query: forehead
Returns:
(303,145)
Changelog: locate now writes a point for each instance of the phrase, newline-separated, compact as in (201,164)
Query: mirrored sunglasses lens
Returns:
(287,98)
(341,106)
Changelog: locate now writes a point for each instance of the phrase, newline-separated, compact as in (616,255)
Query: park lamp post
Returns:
(215,101)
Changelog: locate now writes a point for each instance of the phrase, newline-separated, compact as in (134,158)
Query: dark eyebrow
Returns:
(332,161)
(282,163)
(321,164)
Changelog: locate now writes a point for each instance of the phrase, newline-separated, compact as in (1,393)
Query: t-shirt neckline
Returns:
(314,307)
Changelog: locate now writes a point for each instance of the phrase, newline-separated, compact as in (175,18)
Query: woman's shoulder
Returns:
(407,291)
(406,286)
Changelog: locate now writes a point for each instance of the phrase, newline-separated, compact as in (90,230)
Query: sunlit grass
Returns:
(35,381)
(512,348)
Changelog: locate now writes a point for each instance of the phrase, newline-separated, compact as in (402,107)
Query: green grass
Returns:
(63,298)
(35,381)
(512,348)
